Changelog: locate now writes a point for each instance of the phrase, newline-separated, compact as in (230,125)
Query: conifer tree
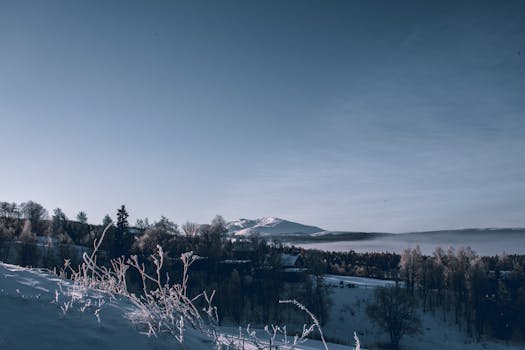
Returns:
(120,233)
(122,218)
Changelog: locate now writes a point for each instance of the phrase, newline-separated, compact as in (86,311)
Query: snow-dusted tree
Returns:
(218,225)
(59,227)
(190,229)
(162,232)
(477,289)
(142,223)
(27,254)
(107,220)
(36,214)
(9,224)
(82,217)
(167,226)
(9,215)
(410,267)
(58,222)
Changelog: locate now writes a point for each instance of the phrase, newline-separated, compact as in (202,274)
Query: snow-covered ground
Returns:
(346,281)
(38,310)
(33,316)
(348,314)
(308,345)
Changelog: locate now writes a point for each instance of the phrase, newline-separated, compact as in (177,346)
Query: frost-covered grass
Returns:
(39,310)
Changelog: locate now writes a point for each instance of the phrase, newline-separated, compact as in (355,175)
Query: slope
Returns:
(39,310)
(269,226)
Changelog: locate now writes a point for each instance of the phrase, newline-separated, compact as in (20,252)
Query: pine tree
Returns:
(120,233)
(122,218)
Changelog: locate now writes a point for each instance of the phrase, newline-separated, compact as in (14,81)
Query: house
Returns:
(293,268)
(291,261)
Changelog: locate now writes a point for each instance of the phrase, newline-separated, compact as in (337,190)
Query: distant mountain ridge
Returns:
(269,226)
(277,227)
(352,235)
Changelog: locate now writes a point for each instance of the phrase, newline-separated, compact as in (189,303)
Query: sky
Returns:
(388,116)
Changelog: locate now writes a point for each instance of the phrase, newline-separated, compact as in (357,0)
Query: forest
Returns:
(484,296)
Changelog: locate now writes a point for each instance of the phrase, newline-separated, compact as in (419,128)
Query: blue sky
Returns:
(375,116)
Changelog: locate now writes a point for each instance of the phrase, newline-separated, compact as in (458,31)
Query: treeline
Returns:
(351,263)
(485,296)
(29,236)
(246,290)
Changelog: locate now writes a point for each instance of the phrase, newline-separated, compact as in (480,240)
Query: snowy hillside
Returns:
(350,295)
(269,226)
(41,311)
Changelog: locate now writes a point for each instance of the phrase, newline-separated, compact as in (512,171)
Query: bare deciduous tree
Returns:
(394,309)
(36,214)
(190,229)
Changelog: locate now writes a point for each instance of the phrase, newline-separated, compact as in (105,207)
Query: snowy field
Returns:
(348,314)
(363,282)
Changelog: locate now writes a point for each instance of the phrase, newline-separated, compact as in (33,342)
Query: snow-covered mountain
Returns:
(269,226)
